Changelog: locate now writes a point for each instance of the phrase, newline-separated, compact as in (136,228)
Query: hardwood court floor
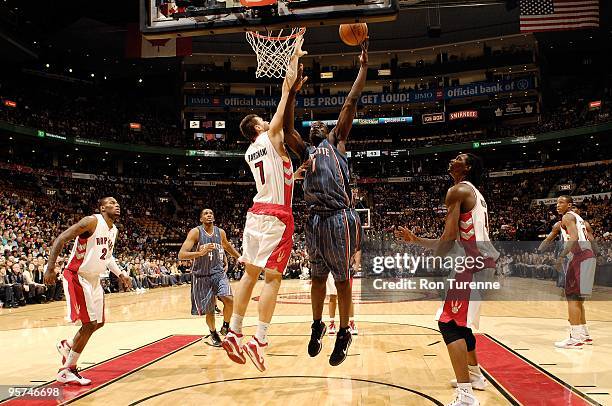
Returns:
(397,358)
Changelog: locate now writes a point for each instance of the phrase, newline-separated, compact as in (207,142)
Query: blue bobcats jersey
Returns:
(326,183)
(212,262)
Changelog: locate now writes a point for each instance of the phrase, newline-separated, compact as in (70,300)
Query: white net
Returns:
(274,50)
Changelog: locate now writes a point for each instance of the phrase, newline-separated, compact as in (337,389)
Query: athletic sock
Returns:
(71,359)
(236,323)
(466,387)
(475,369)
(585,329)
(262,332)
(576,331)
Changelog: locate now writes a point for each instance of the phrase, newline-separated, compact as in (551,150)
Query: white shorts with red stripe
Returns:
(268,236)
(84,297)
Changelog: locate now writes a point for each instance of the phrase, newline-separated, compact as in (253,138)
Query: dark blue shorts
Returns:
(204,291)
(332,238)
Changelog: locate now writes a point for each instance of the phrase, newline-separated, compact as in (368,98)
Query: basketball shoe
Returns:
(255,351)
(464,398)
(316,338)
(70,375)
(215,340)
(343,342)
(570,343)
(64,349)
(332,328)
(233,346)
(588,340)
(353,328)
(477,379)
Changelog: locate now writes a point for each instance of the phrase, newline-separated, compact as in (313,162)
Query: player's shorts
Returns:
(332,238)
(204,291)
(268,236)
(580,275)
(84,297)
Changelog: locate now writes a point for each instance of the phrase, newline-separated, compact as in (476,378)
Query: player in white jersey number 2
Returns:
(268,232)
(92,254)
(465,234)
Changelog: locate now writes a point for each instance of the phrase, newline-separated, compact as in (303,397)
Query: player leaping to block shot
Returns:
(94,239)
(268,233)
(333,231)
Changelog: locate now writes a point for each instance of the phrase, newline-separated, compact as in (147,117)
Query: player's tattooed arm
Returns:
(292,137)
(550,237)
(192,239)
(227,245)
(84,229)
(340,133)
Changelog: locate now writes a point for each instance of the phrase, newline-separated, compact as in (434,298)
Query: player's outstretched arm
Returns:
(275,133)
(84,228)
(550,237)
(114,268)
(292,137)
(347,114)
(191,240)
(228,246)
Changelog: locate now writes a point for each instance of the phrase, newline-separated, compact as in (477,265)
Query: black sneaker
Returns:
(217,310)
(343,342)
(224,329)
(316,338)
(215,340)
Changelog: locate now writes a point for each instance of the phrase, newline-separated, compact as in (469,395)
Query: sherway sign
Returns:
(414,96)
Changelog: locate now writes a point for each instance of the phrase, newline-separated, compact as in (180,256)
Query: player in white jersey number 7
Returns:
(268,232)
(92,254)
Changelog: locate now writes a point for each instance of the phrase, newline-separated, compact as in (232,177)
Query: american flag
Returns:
(555,15)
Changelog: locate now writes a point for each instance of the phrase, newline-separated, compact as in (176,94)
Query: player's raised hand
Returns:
(363,58)
(298,51)
(299,79)
(405,234)
(301,171)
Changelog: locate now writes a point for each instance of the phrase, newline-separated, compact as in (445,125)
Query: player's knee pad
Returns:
(470,340)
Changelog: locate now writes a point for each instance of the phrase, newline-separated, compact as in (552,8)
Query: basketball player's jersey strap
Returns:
(583,242)
(273,175)
(212,262)
(326,184)
(89,256)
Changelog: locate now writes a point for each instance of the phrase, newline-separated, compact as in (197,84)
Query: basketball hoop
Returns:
(274,50)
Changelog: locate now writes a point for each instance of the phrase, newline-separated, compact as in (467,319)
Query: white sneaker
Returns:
(71,376)
(464,398)
(570,343)
(332,328)
(479,382)
(587,339)
(64,349)
(255,350)
(353,328)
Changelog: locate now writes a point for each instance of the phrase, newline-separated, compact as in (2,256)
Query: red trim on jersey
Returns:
(271,209)
(288,189)
(75,263)
(78,305)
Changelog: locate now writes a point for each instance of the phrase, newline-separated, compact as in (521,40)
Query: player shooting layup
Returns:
(268,233)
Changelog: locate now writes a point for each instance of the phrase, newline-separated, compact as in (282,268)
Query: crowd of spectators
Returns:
(35,208)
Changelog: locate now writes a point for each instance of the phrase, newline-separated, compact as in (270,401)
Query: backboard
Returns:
(181,18)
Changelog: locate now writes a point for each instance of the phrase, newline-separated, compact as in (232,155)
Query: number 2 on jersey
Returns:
(261,172)
(103,256)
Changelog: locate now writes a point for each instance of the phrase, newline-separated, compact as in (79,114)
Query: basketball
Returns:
(353,34)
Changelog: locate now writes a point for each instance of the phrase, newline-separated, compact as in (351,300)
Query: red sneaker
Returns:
(232,344)
(255,350)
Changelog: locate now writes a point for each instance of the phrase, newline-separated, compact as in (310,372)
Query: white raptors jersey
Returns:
(583,242)
(90,256)
(273,175)
(474,226)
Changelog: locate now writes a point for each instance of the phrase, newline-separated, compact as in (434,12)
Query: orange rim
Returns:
(284,38)
(258,3)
